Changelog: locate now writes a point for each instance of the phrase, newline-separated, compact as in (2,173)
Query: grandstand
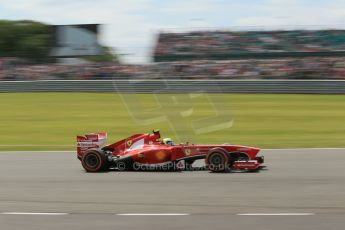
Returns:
(295,54)
(260,44)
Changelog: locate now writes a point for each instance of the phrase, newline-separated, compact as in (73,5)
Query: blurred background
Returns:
(33,50)
(263,73)
(207,39)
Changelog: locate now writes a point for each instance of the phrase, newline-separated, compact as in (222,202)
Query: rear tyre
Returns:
(217,160)
(94,161)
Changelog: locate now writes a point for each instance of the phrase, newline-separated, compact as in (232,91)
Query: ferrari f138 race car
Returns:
(148,151)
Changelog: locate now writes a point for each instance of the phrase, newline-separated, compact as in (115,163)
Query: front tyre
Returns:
(94,161)
(217,160)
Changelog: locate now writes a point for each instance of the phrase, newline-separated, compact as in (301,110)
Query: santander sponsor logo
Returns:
(87,145)
(92,137)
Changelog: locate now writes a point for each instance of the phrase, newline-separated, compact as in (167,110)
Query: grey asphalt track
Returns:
(296,181)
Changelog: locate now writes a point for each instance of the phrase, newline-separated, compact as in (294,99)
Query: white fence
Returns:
(178,86)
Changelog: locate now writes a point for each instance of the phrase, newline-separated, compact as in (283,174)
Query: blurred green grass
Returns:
(50,121)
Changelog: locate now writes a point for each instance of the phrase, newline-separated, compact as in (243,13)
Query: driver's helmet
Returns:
(168,141)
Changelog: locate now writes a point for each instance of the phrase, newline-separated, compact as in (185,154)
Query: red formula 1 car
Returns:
(147,151)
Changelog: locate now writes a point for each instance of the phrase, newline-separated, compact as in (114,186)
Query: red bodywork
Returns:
(148,149)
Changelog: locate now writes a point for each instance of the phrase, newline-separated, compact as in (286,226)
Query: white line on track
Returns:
(305,149)
(153,214)
(35,213)
(276,214)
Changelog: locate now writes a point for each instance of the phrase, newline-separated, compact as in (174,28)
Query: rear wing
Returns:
(90,141)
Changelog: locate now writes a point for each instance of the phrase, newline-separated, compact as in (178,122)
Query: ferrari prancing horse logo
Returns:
(187,152)
(129,143)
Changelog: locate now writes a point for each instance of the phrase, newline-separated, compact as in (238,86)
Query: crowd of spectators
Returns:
(230,42)
(13,70)
(284,68)
(294,67)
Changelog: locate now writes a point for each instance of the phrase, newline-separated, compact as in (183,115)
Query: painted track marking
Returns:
(156,214)
(153,214)
(35,213)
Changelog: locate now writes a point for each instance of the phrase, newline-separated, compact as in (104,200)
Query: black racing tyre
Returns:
(94,161)
(217,160)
